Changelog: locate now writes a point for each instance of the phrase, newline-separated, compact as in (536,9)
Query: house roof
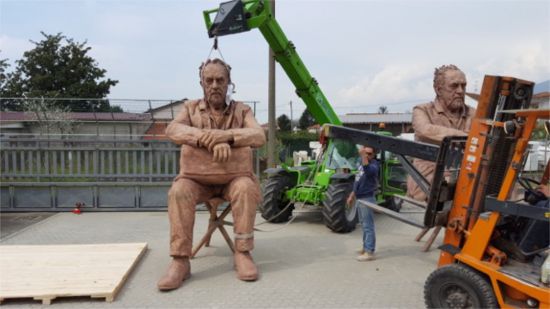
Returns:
(541,96)
(472,95)
(17,116)
(536,97)
(359,118)
(156,131)
(30,116)
(156,109)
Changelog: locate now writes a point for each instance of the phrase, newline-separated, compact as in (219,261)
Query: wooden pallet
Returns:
(47,272)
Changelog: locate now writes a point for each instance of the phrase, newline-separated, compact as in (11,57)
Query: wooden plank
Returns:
(48,272)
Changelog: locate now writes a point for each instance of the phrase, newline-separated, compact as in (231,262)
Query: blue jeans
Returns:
(366,216)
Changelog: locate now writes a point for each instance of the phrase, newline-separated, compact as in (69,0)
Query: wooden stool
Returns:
(431,239)
(215,222)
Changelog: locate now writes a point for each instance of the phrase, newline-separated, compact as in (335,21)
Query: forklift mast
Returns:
(493,154)
(239,16)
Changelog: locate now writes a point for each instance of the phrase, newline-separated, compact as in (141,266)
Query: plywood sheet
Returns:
(50,271)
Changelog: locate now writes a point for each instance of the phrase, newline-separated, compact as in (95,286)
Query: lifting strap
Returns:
(215,48)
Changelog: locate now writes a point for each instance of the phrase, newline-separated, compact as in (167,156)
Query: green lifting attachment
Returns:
(239,16)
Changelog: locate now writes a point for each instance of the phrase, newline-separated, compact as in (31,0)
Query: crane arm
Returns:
(239,16)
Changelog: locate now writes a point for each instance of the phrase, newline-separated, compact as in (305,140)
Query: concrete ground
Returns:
(302,265)
(14,222)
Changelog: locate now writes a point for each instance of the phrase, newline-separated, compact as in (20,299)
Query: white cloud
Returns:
(364,53)
(526,60)
(392,85)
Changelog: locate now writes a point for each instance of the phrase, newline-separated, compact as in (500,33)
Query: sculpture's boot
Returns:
(245,267)
(178,271)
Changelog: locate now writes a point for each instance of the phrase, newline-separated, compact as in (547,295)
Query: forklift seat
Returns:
(534,237)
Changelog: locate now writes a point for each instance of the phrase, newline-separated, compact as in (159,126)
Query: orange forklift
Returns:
(495,251)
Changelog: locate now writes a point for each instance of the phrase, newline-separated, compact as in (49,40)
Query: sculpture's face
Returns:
(453,90)
(214,83)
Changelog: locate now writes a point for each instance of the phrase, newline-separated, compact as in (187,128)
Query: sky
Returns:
(364,54)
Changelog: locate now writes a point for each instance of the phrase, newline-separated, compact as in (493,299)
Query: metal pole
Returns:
(153,117)
(271,103)
(257,158)
(291,118)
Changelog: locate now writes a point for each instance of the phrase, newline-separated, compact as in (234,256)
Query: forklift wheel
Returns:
(458,286)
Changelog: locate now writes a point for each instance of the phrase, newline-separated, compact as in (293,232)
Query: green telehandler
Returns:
(328,180)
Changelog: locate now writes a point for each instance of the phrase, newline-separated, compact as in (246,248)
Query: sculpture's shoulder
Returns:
(241,107)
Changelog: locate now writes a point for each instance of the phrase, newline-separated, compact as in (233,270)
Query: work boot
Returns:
(246,269)
(178,271)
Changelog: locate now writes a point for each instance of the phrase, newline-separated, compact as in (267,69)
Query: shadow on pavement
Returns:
(11,223)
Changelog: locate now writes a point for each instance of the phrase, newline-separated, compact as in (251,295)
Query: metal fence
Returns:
(53,157)
(78,117)
(101,175)
(42,160)
(56,174)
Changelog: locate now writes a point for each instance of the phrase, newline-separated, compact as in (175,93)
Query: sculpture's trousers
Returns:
(242,192)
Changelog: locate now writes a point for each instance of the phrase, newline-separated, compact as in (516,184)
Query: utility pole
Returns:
(254,110)
(291,115)
(256,157)
(271,103)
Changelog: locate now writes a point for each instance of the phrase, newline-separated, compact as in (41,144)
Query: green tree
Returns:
(58,67)
(3,67)
(116,109)
(541,131)
(306,120)
(382,109)
(9,86)
(284,123)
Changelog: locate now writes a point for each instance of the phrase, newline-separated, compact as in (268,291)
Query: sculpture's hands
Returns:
(221,152)
(211,138)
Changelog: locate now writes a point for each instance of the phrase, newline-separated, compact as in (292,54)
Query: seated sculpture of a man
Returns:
(216,135)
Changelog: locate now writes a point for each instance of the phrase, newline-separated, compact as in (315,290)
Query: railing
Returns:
(46,160)
(52,157)
(99,175)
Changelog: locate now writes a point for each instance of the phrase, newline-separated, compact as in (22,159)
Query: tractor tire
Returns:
(458,286)
(338,216)
(274,200)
